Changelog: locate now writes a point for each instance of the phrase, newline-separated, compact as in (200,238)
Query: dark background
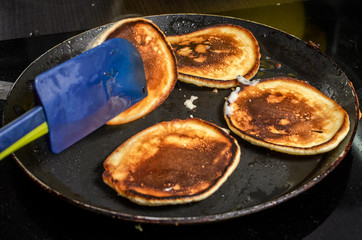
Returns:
(330,210)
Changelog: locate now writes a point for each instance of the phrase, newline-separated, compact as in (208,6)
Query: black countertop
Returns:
(330,210)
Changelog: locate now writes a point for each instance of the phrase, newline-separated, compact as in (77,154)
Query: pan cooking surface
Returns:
(263,178)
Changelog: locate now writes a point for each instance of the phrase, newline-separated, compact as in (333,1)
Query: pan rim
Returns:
(197,219)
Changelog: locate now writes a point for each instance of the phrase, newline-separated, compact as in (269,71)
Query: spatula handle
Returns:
(23,130)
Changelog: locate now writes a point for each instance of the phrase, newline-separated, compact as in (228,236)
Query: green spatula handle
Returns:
(23,130)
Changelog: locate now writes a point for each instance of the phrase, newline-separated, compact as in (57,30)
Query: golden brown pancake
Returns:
(286,115)
(214,56)
(172,162)
(158,59)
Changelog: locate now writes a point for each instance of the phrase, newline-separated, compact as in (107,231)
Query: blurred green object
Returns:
(287,16)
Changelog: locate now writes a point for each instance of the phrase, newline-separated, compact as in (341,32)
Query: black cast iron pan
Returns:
(263,178)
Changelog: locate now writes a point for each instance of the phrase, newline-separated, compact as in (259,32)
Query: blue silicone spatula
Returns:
(79,96)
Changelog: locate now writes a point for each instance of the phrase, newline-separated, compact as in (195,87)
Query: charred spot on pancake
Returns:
(165,171)
(276,114)
(287,115)
(207,52)
(172,163)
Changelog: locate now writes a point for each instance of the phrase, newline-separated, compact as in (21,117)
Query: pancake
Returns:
(215,55)
(173,162)
(158,59)
(286,115)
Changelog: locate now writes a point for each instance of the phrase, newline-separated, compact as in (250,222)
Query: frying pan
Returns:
(263,178)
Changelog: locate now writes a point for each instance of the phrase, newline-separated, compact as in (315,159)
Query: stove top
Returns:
(330,210)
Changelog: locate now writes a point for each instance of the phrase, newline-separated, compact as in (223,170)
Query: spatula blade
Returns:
(83,93)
